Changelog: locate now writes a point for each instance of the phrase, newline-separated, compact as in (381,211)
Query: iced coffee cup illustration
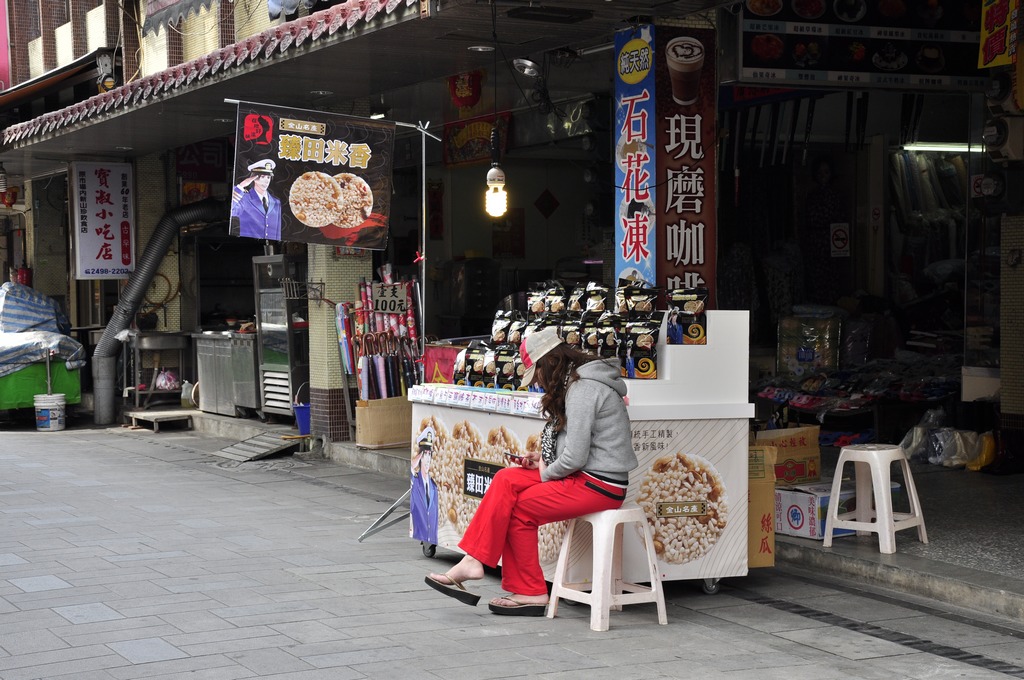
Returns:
(685,58)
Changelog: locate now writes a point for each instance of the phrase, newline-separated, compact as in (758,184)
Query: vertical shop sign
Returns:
(686,160)
(5,59)
(104,220)
(311,177)
(634,154)
(999,25)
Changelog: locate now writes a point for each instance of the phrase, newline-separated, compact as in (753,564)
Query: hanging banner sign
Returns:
(999,23)
(104,220)
(686,162)
(312,177)
(634,155)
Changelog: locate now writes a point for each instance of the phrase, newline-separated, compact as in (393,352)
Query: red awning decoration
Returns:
(160,13)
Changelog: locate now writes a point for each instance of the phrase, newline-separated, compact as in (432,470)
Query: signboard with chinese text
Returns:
(634,155)
(686,159)
(5,58)
(311,177)
(999,26)
(856,43)
(389,298)
(104,220)
(205,161)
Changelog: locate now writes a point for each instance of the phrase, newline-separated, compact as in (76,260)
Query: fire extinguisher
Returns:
(23,275)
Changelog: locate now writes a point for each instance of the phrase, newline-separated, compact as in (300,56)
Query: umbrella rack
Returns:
(305,290)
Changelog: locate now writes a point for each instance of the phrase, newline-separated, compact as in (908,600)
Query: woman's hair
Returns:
(556,370)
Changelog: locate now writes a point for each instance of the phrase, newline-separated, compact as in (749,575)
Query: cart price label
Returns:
(389,298)
(477,476)
(683,509)
(503,403)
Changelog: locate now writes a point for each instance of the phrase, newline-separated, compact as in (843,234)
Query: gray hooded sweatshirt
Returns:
(596,437)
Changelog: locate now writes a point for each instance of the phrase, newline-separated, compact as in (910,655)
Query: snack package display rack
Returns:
(690,433)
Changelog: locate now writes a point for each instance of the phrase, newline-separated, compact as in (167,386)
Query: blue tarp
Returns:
(32,328)
(18,350)
(26,309)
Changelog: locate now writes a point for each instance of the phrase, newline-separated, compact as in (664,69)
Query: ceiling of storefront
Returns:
(403,63)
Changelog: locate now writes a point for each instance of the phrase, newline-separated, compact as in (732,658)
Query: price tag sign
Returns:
(504,403)
(389,298)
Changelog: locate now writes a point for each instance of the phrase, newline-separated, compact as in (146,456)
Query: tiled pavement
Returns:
(127,554)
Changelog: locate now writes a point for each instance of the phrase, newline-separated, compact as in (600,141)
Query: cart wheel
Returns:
(262,416)
(711,586)
(429,549)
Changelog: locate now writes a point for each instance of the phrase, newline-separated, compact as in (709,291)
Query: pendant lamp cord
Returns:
(495,142)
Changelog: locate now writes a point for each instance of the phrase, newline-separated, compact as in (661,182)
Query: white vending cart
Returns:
(690,433)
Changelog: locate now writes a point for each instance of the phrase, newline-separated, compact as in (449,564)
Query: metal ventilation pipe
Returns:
(104,358)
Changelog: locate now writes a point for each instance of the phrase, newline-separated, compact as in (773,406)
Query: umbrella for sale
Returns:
(344,348)
(362,381)
(379,367)
(408,363)
(368,369)
(386,343)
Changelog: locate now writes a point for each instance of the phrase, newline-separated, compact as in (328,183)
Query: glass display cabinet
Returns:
(282,324)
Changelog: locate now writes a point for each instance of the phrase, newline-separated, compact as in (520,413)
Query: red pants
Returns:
(505,525)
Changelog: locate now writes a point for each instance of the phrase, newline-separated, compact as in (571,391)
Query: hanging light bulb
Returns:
(495,200)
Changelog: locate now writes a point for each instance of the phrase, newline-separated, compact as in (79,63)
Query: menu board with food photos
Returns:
(921,44)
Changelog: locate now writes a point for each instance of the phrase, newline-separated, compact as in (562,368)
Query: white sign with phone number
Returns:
(104,220)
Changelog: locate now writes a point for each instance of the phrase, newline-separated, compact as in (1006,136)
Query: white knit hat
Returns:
(535,346)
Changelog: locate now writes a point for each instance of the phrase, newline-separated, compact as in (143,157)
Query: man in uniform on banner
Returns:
(255,212)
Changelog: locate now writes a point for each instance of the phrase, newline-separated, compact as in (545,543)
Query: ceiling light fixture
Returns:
(527,67)
(481,48)
(378,111)
(495,199)
(944,147)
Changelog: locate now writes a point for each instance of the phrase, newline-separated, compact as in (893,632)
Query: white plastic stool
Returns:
(607,589)
(872,463)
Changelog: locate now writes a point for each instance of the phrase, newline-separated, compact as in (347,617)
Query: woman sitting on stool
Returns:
(583,466)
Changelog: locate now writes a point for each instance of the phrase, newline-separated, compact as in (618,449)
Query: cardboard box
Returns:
(384,423)
(799,456)
(800,510)
(761,506)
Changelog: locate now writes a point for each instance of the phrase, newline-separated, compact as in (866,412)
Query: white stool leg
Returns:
(559,580)
(832,514)
(915,501)
(616,582)
(865,494)
(602,575)
(884,520)
(652,566)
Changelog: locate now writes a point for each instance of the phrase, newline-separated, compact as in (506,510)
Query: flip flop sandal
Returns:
(453,589)
(519,609)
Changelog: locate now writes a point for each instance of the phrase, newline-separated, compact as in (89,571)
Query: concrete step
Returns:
(856,558)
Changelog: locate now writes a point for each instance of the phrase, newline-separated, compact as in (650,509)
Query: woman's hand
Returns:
(533,461)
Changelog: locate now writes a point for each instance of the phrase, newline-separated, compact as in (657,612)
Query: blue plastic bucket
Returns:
(301,417)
